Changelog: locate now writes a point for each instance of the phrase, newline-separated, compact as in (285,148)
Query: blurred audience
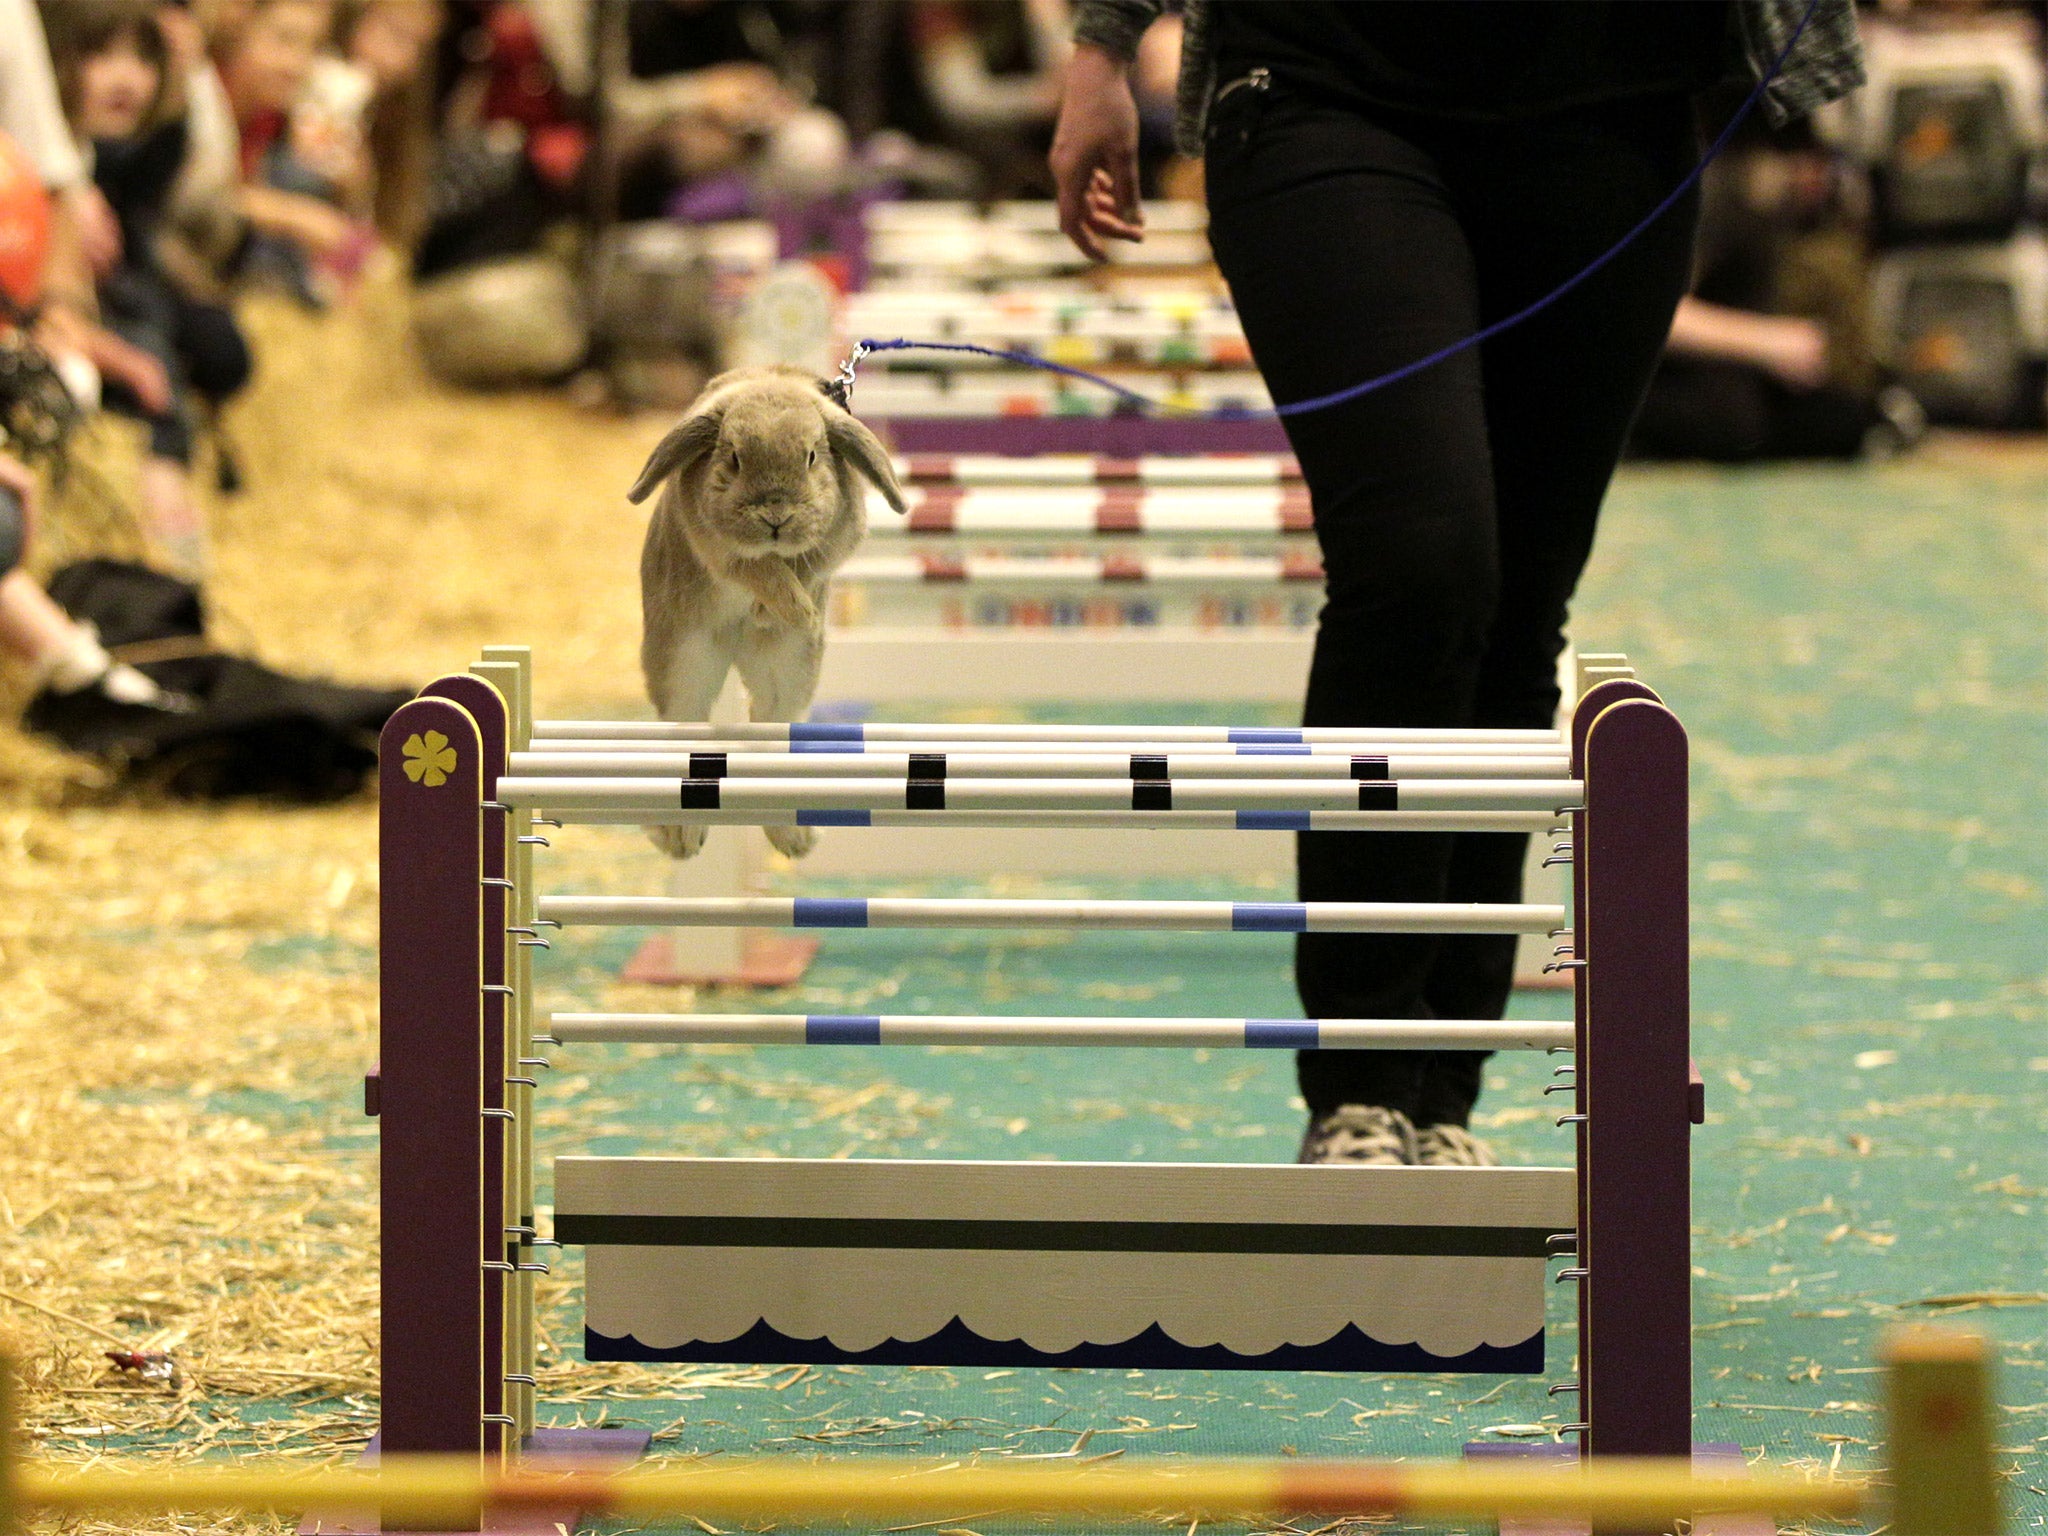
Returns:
(992,70)
(716,116)
(509,136)
(178,150)
(299,168)
(180,353)
(1771,356)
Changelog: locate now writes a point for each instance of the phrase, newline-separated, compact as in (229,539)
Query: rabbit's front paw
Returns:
(792,841)
(795,612)
(678,842)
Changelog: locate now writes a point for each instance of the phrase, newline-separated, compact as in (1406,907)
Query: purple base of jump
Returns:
(547,1450)
(1115,437)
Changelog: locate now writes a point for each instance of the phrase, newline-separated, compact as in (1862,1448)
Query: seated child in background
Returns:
(110,61)
(295,176)
(204,228)
(365,116)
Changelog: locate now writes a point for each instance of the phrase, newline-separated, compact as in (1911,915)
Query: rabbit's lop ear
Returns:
(687,442)
(854,443)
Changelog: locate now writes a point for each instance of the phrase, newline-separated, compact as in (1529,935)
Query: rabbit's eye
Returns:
(733,458)
(811,458)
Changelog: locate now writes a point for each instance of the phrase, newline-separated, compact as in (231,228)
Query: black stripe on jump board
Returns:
(707,765)
(698,795)
(1148,795)
(1368,767)
(1378,795)
(924,794)
(1051,1236)
(927,766)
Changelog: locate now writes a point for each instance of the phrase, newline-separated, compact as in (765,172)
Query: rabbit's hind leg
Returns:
(685,674)
(780,669)
(684,678)
(678,842)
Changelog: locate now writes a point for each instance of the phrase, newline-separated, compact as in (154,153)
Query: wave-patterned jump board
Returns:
(957,1344)
(1159,1265)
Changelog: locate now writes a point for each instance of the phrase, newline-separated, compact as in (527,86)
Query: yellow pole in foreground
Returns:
(1640,1493)
(1938,1383)
(10,1453)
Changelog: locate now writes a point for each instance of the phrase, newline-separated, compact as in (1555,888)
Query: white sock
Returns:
(80,664)
(85,663)
(124,685)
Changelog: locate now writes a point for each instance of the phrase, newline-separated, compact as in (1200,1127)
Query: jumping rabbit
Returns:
(760,504)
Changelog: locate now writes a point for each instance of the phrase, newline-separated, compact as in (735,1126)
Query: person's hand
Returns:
(315,226)
(742,97)
(184,38)
(1095,154)
(96,225)
(142,373)
(1794,351)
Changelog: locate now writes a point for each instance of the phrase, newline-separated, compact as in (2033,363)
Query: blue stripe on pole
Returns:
(835,818)
(825,746)
(1282,1034)
(1254,733)
(1273,751)
(1268,917)
(831,912)
(842,1029)
(1272,821)
(826,730)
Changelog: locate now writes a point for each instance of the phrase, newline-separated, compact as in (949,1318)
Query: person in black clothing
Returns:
(1383,181)
(1770,356)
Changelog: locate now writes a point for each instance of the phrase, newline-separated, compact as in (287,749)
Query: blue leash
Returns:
(842,387)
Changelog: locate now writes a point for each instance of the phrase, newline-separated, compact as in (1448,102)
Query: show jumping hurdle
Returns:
(1064,578)
(961,1262)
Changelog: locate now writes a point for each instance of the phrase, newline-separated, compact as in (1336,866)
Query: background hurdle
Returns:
(1633,1091)
(1231,533)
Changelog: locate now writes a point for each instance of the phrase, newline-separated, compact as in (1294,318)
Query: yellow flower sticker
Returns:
(428,759)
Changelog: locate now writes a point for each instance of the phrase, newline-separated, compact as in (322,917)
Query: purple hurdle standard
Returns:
(455,1237)
(1636,1089)
(440,1091)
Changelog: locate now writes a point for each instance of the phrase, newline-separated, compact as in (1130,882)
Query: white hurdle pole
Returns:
(1068,571)
(1083,821)
(1000,765)
(1037,1029)
(1058,469)
(1550,750)
(832,731)
(658,794)
(1117,916)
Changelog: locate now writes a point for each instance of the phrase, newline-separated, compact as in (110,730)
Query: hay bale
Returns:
(518,320)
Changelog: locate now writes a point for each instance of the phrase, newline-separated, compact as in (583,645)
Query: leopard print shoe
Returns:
(1452,1146)
(1359,1133)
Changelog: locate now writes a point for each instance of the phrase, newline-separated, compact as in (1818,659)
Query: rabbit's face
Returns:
(771,484)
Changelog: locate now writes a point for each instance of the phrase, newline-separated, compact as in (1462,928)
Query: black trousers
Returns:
(200,345)
(1455,509)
